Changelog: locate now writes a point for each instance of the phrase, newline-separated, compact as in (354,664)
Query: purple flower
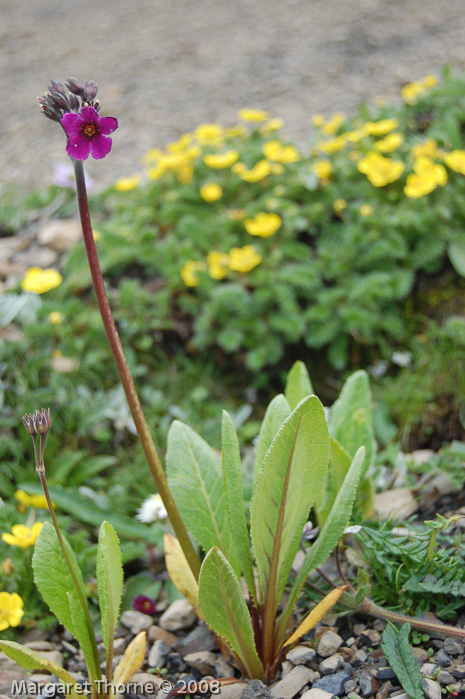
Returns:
(88,133)
(144,604)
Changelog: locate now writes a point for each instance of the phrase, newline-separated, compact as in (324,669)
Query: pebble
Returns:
(156,633)
(368,684)
(329,643)
(201,638)
(334,684)
(359,658)
(292,684)
(371,637)
(301,655)
(386,673)
(452,646)
(317,694)
(427,668)
(420,654)
(179,615)
(60,234)
(222,668)
(445,677)
(459,672)
(431,689)
(39,645)
(232,691)
(203,661)
(145,679)
(158,654)
(349,686)
(331,665)
(441,658)
(256,690)
(136,621)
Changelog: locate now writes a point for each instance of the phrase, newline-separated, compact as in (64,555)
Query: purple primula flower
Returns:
(88,133)
(144,604)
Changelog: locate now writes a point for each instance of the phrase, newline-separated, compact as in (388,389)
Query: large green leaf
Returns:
(239,553)
(399,654)
(292,477)
(85,636)
(83,510)
(329,535)
(32,660)
(456,252)
(196,480)
(223,605)
(277,411)
(339,464)
(352,419)
(298,385)
(109,582)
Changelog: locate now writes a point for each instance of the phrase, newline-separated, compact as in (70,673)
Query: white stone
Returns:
(317,694)
(293,683)
(232,691)
(60,234)
(431,689)
(203,661)
(329,643)
(330,665)
(179,615)
(136,621)
(300,655)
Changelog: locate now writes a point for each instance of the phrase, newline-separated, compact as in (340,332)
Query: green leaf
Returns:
(339,464)
(456,252)
(292,477)
(329,535)
(239,545)
(32,660)
(352,422)
(298,385)
(109,582)
(276,413)
(398,653)
(196,480)
(223,605)
(84,510)
(84,635)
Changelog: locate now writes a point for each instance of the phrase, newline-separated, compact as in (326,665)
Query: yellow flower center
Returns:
(89,130)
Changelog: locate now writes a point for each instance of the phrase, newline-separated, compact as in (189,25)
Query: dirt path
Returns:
(164,66)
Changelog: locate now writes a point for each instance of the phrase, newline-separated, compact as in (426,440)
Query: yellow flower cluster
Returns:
(178,159)
(211,192)
(126,184)
(255,115)
(220,161)
(412,91)
(241,260)
(189,272)
(277,152)
(426,177)
(37,501)
(369,128)
(255,174)
(263,225)
(379,170)
(39,281)
(11,610)
(322,169)
(22,536)
(456,161)
(390,143)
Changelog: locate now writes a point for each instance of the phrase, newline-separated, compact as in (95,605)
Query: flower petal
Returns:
(100,146)
(72,123)
(90,114)
(78,147)
(107,125)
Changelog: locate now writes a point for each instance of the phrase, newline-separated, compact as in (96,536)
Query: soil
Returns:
(164,67)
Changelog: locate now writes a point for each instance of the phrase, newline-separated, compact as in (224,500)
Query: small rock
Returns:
(398,503)
(203,661)
(359,629)
(420,654)
(379,625)
(420,456)
(459,672)
(431,689)
(156,633)
(200,638)
(444,677)
(334,684)
(329,643)
(119,646)
(386,673)
(427,668)
(301,655)
(158,654)
(36,257)
(317,694)
(441,658)
(359,658)
(293,683)
(385,691)
(452,646)
(136,621)
(60,234)
(39,645)
(256,690)
(148,684)
(222,668)
(371,637)
(54,656)
(331,665)
(368,684)
(286,667)
(179,615)
(350,686)
(64,365)
(232,691)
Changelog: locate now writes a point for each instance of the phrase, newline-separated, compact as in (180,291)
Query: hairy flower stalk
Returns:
(88,134)
(37,424)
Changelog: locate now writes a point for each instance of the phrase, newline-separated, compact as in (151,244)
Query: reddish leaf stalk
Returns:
(135,407)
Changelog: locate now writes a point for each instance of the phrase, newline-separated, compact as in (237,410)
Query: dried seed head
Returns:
(28,422)
(38,422)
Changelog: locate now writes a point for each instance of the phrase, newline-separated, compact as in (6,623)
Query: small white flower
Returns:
(152,510)
(402,359)
(353,529)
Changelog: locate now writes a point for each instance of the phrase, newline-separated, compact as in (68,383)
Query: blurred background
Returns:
(164,67)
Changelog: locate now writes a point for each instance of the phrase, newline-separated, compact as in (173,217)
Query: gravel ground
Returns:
(163,67)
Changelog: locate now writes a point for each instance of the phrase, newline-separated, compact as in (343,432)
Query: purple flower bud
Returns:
(74,86)
(42,420)
(28,422)
(56,85)
(74,103)
(59,100)
(90,90)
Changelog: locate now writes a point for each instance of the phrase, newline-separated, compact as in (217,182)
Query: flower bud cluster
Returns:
(38,422)
(57,101)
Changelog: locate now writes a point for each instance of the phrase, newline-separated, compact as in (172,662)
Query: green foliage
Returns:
(398,653)
(109,582)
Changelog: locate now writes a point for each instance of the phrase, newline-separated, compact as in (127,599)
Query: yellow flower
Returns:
(322,169)
(11,610)
(264,225)
(55,318)
(356,135)
(333,124)
(253,115)
(211,192)
(181,144)
(37,501)
(279,153)
(318,120)
(379,170)
(125,184)
(366,210)
(428,175)
(23,536)
(38,281)
(417,186)
(455,160)
(272,125)
(428,147)
(189,270)
(259,171)
(411,91)
(392,142)
(332,146)
(234,131)
(152,156)
(219,161)
(339,205)
(243,259)
(217,264)
(209,133)
(382,127)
